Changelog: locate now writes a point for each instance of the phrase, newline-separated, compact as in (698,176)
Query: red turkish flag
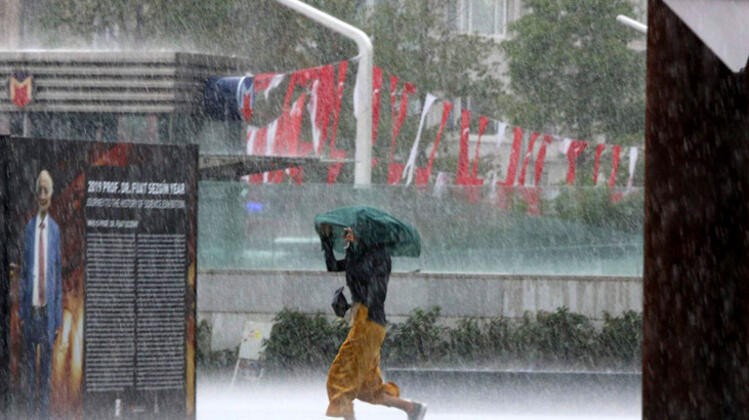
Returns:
(483,122)
(512,168)
(528,155)
(399,116)
(422,174)
(376,88)
(20,91)
(615,154)
(573,153)
(335,169)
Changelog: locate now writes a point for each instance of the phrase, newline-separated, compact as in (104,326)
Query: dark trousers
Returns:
(37,376)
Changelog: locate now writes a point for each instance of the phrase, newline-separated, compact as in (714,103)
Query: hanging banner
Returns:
(527,159)
(483,122)
(340,85)
(597,164)
(574,151)
(400,116)
(501,128)
(325,91)
(266,82)
(376,89)
(512,168)
(245,98)
(395,169)
(446,109)
(324,99)
(411,163)
(465,131)
(615,152)
(334,169)
(541,159)
(312,106)
(20,89)
(632,165)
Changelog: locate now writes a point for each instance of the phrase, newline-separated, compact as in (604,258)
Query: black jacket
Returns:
(367,274)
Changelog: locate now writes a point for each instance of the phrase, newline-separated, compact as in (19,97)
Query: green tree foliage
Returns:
(415,40)
(570,64)
(137,24)
(412,39)
(279,39)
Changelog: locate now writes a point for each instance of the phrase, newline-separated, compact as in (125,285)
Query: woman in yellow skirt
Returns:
(355,372)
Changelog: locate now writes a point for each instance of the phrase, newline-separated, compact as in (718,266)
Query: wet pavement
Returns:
(450,396)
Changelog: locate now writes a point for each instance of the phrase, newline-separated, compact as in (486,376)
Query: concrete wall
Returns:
(228,299)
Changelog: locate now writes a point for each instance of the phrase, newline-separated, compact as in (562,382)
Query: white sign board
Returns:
(253,334)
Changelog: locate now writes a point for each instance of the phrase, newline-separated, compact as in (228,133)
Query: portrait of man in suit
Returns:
(40,297)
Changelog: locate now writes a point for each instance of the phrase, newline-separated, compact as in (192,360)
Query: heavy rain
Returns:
(534,209)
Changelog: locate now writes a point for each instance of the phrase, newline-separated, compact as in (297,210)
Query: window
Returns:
(485,17)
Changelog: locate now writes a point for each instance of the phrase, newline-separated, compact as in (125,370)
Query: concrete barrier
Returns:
(229,298)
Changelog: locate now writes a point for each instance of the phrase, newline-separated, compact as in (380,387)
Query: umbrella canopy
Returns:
(373,227)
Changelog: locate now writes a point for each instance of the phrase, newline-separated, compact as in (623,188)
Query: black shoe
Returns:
(418,411)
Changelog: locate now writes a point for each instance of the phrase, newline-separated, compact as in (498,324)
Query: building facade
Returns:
(129,96)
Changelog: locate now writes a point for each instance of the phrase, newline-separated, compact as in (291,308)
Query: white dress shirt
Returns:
(36,301)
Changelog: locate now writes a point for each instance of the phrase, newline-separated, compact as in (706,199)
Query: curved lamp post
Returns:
(363,95)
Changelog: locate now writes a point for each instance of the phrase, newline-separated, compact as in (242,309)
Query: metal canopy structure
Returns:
(233,167)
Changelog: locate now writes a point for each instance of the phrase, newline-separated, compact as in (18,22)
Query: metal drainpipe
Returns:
(363,154)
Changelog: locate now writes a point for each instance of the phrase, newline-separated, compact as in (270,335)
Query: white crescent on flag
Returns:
(245,97)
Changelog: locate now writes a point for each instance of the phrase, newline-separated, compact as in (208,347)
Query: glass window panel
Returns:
(465,17)
(501,17)
(483,16)
(249,226)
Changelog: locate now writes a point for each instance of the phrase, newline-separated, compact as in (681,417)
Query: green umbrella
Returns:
(373,227)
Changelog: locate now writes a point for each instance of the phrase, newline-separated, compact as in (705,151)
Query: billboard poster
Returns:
(98,302)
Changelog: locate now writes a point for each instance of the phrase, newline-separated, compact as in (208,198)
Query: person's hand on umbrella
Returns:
(326,235)
(374,228)
(348,235)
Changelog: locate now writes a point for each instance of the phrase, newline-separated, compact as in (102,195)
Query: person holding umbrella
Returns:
(355,372)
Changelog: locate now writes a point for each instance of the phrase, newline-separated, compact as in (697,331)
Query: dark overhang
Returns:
(722,25)
(233,167)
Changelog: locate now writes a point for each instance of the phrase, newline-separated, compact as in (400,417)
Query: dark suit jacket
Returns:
(53,276)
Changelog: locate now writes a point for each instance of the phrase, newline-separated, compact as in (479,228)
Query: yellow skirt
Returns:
(355,372)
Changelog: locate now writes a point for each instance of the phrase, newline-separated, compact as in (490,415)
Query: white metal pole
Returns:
(363,154)
(627,21)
